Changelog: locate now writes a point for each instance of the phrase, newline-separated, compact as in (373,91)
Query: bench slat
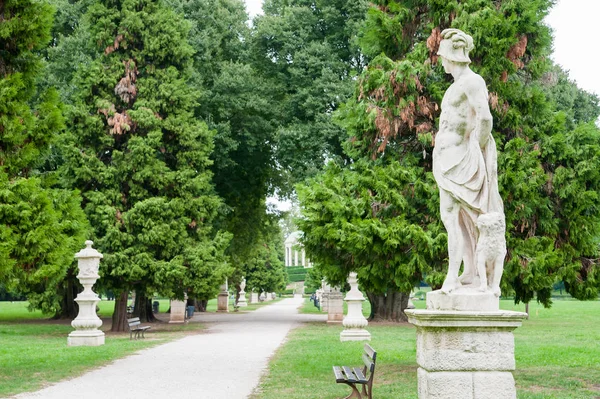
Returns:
(368,362)
(339,376)
(359,375)
(370,351)
(349,374)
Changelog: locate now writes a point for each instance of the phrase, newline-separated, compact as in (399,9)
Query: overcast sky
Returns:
(576,46)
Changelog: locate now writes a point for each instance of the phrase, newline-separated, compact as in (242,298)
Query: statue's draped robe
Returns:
(471,179)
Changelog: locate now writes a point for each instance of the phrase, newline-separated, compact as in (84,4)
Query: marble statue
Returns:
(465,169)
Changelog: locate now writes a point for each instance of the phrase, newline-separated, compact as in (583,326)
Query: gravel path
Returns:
(224,363)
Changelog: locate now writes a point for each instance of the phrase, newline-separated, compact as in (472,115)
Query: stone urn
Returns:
(354,323)
(87,322)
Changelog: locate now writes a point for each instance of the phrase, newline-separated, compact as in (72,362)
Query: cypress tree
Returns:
(41,226)
(141,158)
(547,168)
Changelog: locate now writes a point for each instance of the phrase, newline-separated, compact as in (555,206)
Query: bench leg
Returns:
(355,393)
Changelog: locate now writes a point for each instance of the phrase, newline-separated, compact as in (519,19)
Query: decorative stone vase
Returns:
(87,322)
(354,323)
(242,302)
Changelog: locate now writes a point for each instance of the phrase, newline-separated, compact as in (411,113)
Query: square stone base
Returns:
(355,335)
(83,338)
(223,303)
(465,355)
(466,385)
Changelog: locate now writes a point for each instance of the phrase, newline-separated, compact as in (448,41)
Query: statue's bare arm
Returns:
(476,92)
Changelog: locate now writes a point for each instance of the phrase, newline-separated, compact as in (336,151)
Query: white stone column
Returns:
(286,256)
(465,354)
(335,306)
(242,303)
(223,299)
(355,322)
(87,322)
(303,258)
(295,258)
(177,314)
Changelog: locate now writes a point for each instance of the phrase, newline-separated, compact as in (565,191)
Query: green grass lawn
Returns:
(557,354)
(34,351)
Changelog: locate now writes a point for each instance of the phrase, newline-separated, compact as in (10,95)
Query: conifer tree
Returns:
(141,158)
(41,226)
(548,176)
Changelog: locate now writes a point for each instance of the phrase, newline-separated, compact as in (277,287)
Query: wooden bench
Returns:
(353,376)
(135,328)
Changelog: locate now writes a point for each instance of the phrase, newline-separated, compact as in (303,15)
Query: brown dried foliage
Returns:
(413,118)
(115,46)
(495,103)
(119,122)
(516,52)
(126,89)
(433,44)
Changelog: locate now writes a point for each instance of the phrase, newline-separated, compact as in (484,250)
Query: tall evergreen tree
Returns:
(41,227)
(547,174)
(235,102)
(307,50)
(141,158)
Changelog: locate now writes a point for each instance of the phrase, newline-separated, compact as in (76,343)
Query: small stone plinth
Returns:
(83,338)
(335,311)
(254,297)
(223,302)
(177,312)
(465,354)
(463,299)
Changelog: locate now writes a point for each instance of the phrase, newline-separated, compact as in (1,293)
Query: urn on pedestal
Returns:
(87,322)
(354,323)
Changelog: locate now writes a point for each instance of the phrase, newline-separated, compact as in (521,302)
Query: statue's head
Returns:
(455,46)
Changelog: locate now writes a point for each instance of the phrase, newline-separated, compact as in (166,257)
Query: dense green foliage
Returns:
(41,226)
(141,158)
(296,273)
(379,215)
(307,52)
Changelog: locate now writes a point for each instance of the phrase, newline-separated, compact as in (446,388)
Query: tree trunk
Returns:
(119,317)
(68,307)
(143,308)
(202,303)
(389,306)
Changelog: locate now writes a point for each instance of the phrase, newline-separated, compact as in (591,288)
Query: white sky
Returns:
(575,40)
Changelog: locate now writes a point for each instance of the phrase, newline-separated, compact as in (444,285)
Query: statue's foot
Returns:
(483,288)
(466,279)
(496,291)
(449,285)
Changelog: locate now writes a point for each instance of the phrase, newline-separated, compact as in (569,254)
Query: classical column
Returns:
(303,258)
(242,300)
(295,258)
(87,322)
(223,299)
(354,323)
(335,306)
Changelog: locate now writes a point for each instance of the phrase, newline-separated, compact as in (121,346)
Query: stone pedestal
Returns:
(242,302)
(466,354)
(354,323)
(87,322)
(254,297)
(177,311)
(335,309)
(223,299)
